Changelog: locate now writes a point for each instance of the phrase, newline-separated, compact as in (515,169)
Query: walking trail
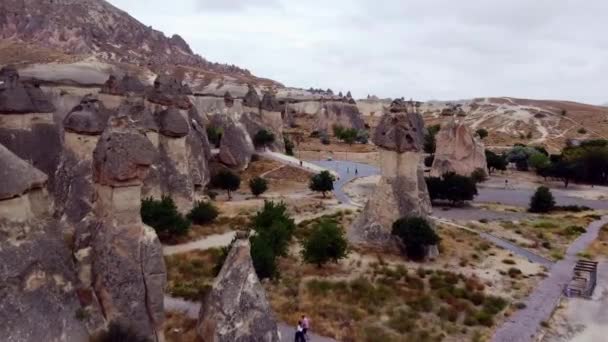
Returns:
(524,324)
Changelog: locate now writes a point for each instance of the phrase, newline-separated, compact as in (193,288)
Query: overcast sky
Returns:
(426,49)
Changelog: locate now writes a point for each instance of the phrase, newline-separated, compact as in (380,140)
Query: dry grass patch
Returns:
(180,328)
(190,275)
(599,248)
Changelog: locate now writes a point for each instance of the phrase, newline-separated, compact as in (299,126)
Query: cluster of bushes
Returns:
(496,162)
(451,187)
(430,141)
(350,135)
(289,146)
(416,235)
(168,222)
(274,230)
(214,135)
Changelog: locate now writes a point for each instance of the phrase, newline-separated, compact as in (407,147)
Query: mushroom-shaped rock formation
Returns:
(270,103)
(458,150)
(127,84)
(38,278)
(236,146)
(135,109)
(236,308)
(169,91)
(251,99)
(17,98)
(17,177)
(228,99)
(89,117)
(172,123)
(27,126)
(402,189)
(120,259)
(74,192)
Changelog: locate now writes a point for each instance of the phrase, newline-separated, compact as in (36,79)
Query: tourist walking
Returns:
(300,333)
(305,326)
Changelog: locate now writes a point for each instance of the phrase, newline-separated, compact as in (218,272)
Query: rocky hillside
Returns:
(35,31)
(510,120)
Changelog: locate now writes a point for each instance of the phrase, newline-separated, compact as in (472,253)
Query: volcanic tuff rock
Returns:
(402,189)
(265,120)
(236,146)
(119,258)
(172,123)
(251,99)
(169,91)
(39,301)
(74,192)
(458,150)
(127,85)
(27,127)
(236,308)
(327,114)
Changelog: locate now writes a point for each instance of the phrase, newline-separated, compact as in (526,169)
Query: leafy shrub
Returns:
(326,243)
(416,234)
(496,162)
(263,138)
(542,201)
(214,135)
(322,182)
(163,217)
(451,187)
(482,133)
(258,186)
(203,213)
(264,260)
(582,131)
(226,180)
(573,231)
(289,146)
(119,333)
(573,208)
(325,140)
(479,176)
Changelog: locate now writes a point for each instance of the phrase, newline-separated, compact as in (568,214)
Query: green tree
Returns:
(263,138)
(164,217)
(322,182)
(203,213)
(119,333)
(539,161)
(349,136)
(417,236)
(495,162)
(289,146)
(479,176)
(430,143)
(459,188)
(214,135)
(258,186)
(263,258)
(227,180)
(482,133)
(542,201)
(325,243)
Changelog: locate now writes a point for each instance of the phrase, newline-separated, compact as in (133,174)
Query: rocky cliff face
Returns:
(402,189)
(236,308)
(458,150)
(327,113)
(38,291)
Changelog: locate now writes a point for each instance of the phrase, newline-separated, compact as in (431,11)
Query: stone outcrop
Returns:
(128,84)
(402,189)
(169,91)
(327,114)
(74,192)
(27,126)
(38,283)
(251,99)
(236,146)
(458,150)
(120,260)
(228,99)
(236,308)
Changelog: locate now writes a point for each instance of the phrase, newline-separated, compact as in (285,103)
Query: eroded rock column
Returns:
(402,189)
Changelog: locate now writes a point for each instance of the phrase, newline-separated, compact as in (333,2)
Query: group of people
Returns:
(302,329)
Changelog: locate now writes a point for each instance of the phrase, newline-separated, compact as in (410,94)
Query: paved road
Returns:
(524,324)
(521,198)
(347,171)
